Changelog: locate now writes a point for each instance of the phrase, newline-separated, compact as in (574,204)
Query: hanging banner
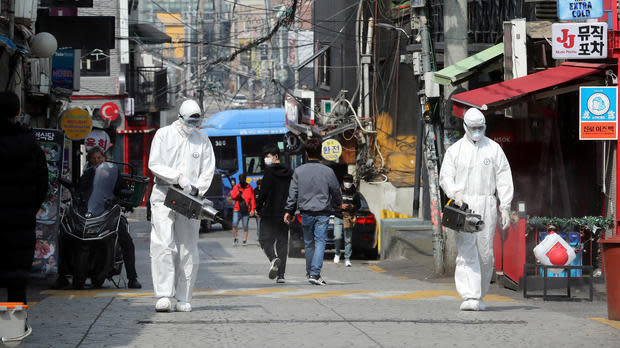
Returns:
(570,10)
(579,40)
(598,113)
(48,216)
(76,123)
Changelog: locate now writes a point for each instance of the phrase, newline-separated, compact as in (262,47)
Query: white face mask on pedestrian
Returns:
(348,185)
(268,161)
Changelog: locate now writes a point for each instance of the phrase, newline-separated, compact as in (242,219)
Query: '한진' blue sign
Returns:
(569,10)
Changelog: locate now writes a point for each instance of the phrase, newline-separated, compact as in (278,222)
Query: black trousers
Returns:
(273,230)
(128,250)
(15,282)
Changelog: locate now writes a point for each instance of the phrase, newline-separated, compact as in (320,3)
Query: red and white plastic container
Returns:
(554,251)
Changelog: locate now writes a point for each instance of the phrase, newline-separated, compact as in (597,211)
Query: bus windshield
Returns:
(252,151)
(225,150)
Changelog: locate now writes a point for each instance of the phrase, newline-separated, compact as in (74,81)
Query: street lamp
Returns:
(43,45)
(393,27)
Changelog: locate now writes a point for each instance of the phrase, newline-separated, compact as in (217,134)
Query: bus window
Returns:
(296,160)
(225,150)
(252,147)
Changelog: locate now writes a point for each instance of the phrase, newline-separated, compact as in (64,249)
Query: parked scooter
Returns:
(89,231)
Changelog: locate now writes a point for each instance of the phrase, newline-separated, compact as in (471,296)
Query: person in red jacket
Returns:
(245,206)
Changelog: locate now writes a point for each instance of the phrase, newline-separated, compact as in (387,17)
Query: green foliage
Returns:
(592,223)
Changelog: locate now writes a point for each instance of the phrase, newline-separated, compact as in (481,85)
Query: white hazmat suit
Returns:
(473,170)
(179,154)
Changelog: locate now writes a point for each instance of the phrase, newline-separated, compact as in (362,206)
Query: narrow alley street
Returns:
(372,304)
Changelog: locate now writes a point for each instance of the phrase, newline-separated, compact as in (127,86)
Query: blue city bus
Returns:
(238,137)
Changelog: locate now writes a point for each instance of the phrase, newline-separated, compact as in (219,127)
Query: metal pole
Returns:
(430,153)
(201,10)
(11,19)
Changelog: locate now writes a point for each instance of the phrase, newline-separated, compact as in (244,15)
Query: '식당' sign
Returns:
(579,40)
(570,10)
(598,113)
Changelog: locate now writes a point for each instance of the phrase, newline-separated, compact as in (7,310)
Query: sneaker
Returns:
(307,275)
(336,258)
(347,263)
(280,279)
(273,270)
(183,307)
(235,242)
(245,243)
(163,305)
(316,280)
(134,284)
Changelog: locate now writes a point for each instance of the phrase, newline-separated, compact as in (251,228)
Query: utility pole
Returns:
(431,157)
(455,39)
(199,69)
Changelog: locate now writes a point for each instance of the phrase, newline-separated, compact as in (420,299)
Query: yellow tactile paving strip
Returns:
(613,323)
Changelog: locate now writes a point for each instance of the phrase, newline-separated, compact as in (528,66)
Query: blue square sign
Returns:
(598,113)
(570,10)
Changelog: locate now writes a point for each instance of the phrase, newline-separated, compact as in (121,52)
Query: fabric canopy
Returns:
(148,34)
(503,94)
(466,68)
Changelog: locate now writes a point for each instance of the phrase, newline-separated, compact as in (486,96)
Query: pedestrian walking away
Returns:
(344,219)
(180,155)
(245,207)
(23,188)
(473,170)
(315,191)
(270,205)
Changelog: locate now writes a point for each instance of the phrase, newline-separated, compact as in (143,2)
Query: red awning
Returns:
(503,94)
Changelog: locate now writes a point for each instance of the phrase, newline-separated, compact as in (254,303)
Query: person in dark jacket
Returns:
(23,188)
(344,219)
(270,205)
(96,157)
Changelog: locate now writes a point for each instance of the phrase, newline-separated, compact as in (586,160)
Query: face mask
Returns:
(348,185)
(476,135)
(268,161)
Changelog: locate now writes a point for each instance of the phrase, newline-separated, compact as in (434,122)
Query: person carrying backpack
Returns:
(245,206)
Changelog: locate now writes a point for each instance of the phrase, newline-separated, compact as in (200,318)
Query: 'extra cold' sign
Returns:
(579,40)
(569,10)
(598,113)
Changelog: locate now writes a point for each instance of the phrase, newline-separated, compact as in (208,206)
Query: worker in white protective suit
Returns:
(180,154)
(474,169)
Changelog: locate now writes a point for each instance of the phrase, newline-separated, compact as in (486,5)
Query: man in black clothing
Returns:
(270,204)
(95,157)
(23,188)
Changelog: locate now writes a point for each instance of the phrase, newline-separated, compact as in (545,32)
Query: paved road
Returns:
(372,304)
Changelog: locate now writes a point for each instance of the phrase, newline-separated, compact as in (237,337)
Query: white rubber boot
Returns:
(163,305)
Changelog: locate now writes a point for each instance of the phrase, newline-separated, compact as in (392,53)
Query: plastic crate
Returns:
(138,185)
(574,240)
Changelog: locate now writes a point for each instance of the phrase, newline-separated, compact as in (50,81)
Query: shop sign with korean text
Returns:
(570,10)
(331,150)
(579,40)
(76,123)
(598,113)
